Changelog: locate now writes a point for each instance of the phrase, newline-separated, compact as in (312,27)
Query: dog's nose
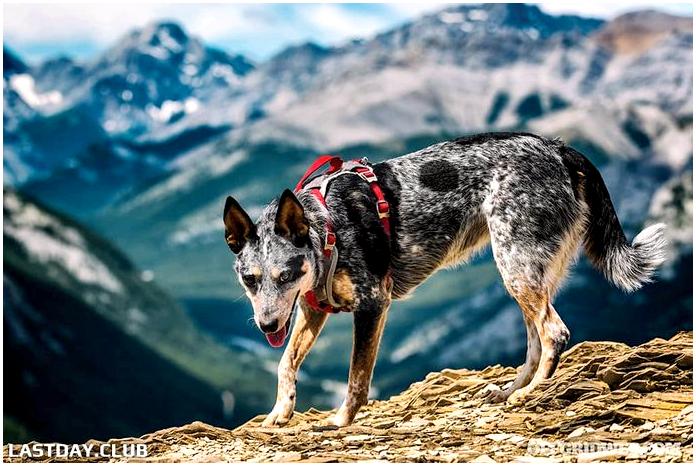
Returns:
(269,326)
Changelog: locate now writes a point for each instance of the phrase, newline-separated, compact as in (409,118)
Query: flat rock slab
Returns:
(606,402)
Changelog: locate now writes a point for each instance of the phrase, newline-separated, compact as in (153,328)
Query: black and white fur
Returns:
(534,200)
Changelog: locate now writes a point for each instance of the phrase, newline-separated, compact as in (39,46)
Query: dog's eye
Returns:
(249,280)
(284,277)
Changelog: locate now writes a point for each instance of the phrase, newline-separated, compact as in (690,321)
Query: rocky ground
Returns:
(607,402)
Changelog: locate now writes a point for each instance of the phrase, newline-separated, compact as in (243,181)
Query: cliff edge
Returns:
(607,402)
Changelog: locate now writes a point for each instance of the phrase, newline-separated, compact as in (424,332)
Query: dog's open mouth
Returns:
(277,339)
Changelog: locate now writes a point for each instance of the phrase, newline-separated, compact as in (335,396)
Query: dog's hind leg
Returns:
(531,275)
(553,336)
(531,363)
(304,333)
(535,302)
(536,221)
(368,325)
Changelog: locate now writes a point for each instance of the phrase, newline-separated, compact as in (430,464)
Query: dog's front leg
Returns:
(368,325)
(304,333)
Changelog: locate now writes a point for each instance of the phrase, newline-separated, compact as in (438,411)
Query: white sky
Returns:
(258,30)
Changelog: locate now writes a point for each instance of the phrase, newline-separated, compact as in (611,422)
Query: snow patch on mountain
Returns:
(50,243)
(674,147)
(171,108)
(423,340)
(16,170)
(24,85)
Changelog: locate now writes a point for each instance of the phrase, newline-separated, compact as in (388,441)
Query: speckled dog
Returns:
(535,200)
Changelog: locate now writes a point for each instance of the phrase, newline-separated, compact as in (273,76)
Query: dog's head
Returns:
(274,260)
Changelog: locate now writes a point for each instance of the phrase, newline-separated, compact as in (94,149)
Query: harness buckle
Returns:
(366,174)
(383,208)
(329,241)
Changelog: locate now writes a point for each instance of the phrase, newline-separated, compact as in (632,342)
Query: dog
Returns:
(534,200)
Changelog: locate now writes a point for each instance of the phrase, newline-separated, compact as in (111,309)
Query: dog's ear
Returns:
(238,226)
(290,221)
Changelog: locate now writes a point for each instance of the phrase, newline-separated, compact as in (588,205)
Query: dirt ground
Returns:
(606,402)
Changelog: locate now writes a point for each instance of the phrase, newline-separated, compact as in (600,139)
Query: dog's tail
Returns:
(627,265)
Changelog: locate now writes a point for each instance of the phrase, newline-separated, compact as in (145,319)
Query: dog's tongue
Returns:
(277,339)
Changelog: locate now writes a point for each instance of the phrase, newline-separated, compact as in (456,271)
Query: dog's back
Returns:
(451,195)
(533,198)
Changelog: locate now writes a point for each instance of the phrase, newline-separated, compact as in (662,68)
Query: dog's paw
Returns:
(278,417)
(342,417)
(496,396)
(518,397)
(489,392)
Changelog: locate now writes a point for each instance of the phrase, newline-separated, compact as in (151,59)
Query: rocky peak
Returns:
(160,41)
(478,36)
(297,58)
(638,31)
(652,20)
(58,73)
(492,17)
(529,17)
(153,75)
(167,44)
(164,33)
(307,49)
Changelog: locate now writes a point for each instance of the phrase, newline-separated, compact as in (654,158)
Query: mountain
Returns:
(637,32)
(36,140)
(157,75)
(15,110)
(602,393)
(151,78)
(464,69)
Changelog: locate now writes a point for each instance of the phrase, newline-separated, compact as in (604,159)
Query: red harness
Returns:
(318,187)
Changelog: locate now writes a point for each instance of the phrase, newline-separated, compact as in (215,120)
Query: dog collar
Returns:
(317,183)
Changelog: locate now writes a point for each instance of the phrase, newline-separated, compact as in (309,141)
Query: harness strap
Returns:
(318,187)
(382,205)
(336,164)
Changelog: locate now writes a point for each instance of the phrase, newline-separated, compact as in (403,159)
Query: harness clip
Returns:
(383,208)
(329,241)
(366,174)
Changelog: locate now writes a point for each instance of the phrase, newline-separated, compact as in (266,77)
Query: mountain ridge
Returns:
(635,32)
(158,79)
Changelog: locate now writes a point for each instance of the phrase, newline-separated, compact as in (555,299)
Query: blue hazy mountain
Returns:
(150,78)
